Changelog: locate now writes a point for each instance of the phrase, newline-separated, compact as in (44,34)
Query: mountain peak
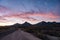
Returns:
(26,24)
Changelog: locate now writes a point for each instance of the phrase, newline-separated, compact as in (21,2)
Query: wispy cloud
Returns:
(30,16)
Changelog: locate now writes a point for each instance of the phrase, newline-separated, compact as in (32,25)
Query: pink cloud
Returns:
(27,16)
(4,10)
(49,15)
(30,17)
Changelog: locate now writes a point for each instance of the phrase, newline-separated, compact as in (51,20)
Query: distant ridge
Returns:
(26,24)
(43,23)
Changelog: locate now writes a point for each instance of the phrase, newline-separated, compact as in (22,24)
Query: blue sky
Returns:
(31,5)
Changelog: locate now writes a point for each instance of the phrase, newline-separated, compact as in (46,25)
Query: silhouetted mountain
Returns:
(47,24)
(26,24)
(17,25)
(43,23)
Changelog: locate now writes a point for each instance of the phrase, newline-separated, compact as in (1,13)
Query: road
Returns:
(19,35)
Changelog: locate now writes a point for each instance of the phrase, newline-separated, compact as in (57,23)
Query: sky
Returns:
(32,11)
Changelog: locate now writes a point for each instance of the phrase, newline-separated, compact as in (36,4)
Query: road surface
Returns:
(19,35)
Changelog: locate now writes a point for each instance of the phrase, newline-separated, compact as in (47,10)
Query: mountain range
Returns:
(40,30)
(46,24)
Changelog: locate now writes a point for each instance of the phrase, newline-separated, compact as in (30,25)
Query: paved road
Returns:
(19,35)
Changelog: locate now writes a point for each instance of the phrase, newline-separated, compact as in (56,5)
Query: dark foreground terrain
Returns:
(26,31)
